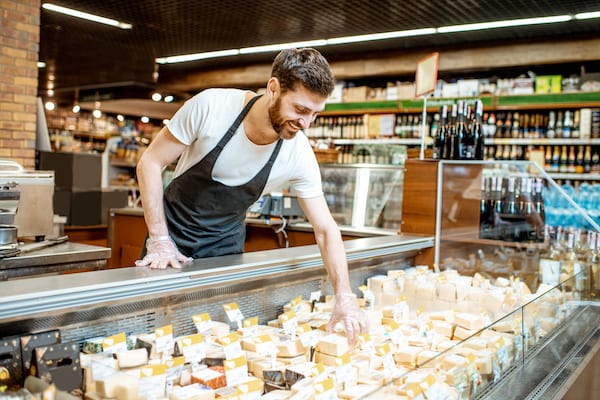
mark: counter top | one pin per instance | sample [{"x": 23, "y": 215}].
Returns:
[
  {"x": 53, "y": 259},
  {"x": 84, "y": 289}
]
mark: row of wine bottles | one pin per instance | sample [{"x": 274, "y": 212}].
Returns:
[
  {"x": 570, "y": 253},
  {"x": 459, "y": 135},
  {"x": 512, "y": 209}
]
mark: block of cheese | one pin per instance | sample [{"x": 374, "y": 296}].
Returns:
[
  {"x": 462, "y": 333},
  {"x": 333, "y": 344},
  {"x": 290, "y": 348},
  {"x": 425, "y": 356},
  {"x": 148, "y": 342},
  {"x": 381, "y": 283},
  {"x": 446, "y": 291},
  {"x": 359, "y": 391},
  {"x": 452, "y": 360},
  {"x": 293, "y": 360},
  {"x": 445, "y": 345},
  {"x": 417, "y": 340},
  {"x": 469, "y": 321},
  {"x": 107, "y": 387},
  {"x": 443, "y": 328},
  {"x": 210, "y": 377},
  {"x": 131, "y": 358},
  {"x": 128, "y": 389},
  {"x": 375, "y": 378},
  {"x": 264, "y": 369},
  {"x": 484, "y": 360},
  {"x": 219, "y": 329},
  {"x": 407, "y": 354},
  {"x": 325, "y": 359},
  {"x": 195, "y": 391},
  {"x": 475, "y": 343},
  {"x": 296, "y": 372}
]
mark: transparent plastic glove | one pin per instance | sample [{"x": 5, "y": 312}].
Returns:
[
  {"x": 160, "y": 253},
  {"x": 352, "y": 318}
]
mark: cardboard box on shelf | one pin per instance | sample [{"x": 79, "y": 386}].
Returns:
[
  {"x": 355, "y": 94},
  {"x": 548, "y": 84}
]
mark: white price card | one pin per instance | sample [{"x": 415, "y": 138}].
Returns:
[
  {"x": 164, "y": 339},
  {"x": 236, "y": 370},
  {"x": 250, "y": 327},
  {"x": 103, "y": 366},
  {"x": 325, "y": 390},
  {"x": 193, "y": 348},
  {"x": 306, "y": 335},
  {"x": 264, "y": 345},
  {"x": 231, "y": 346},
  {"x": 153, "y": 381},
  {"x": 114, "y": 344},
  {"x": 202, "y": 322},
  {"x": 174, "y": 367},
  {"x": 394, "y": 332},
  {"x": 315, "y": 296},
  {"x": 343, "y": 368},
  {"x": 233, "y": 312},
  {"x": 289, "y": 322}
]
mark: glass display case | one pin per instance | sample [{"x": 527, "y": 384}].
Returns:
[
  {"x": 521, "y": 256},
  {"x": 364, "y": 195}
]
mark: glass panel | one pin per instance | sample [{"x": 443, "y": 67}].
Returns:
[{"x": 364, "y": 195}]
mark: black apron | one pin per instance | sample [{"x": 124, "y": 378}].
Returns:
[{"x": 205, "y": 217}]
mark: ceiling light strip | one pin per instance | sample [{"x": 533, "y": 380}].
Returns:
[
  {"x": 504, "y": 24},
  {"x": 380, "y": 36},
  {"x": 87, "y": 16}
]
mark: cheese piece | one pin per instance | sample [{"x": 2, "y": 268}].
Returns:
[
  {"x": 453, "y": 360},
  {"x": 443, "y": 328},
  {"x": 461, "y": 333},
  {"x": 475, "y": 343},
  {"x": 262, "y": 368},
  {"x": 425, "y": 356},
  {"x": 407, "y": 354},
  {"x": 107, "y": 387},
  {"x": 219, "y": 329},
  {"x": 210, "y": 377},
  {"x": 128, "y": 389},
  {"x": 333, "y": 344},
  {"x": 484, "y": 361},
  {"x": 148, "y": 342},
  {"x": 290, "y": 348},
  {"x": 358, "y": 392},
  {"x": 380, "y": 283},
  {"x": 373, "y": 378},
  {"x": 469, "y": 321},
  {"x": 445, "y": 345},
  {"x": 296, "y": 372},
  {"x": 131, "y": 358},
  {"x": 195, "y": 391},
  {"x": 446, "y": 291}
]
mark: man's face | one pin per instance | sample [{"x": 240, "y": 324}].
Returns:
[{"x": 295, "y": 110}]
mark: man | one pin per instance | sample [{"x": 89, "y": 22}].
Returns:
[{"x": 233, "y": 146}]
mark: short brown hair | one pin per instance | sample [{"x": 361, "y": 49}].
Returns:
[{"x": 306, "y": 66}]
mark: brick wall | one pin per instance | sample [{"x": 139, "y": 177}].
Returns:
[{"x": 19, "y": 47}]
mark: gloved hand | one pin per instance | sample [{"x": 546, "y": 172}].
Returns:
[
  {"x": 160, "y": 253},
  {"x": 347, "y": 312}
]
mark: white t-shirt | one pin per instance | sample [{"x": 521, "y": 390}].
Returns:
[{"x": 205, "y": 118}]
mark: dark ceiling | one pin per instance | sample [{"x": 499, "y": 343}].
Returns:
[{"x": 92, "y": 57}]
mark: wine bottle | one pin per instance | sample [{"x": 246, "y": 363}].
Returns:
[
  {"x": 571, "y": 160},
  {"x": 559, "y": 125},
  {"x": 526, "y": 210},
  {"x": 510, "y": 211},
  {"x": 550, "y": 258},
  {"x": 514, "y": 130},
  {"x": 579, "y": 169},
  {"x": 451, "y": 134},
  {"x": 550, "y": 133},
  {"x": 548, "y": 159},
  {"x": 491, "y": 122},
  {"x": 539, "y": 216},
  {"x": 485, "y": 209},
  {"x": 575, "y": 132},
  {"x": 439, "y": 143},
  {"x": 587, "y": 160},
  {"x": 570, "y": 265},
  {"x": 459, "y": 139},
  {"x": 477, "y": 133},
  {"x": 564, "y": 160},
  {"x": 568, "y": 124},
  {"x": 556, "y": 159}
]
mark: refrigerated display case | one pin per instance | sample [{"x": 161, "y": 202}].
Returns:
[
  {"x": 545, "y": 335},
  {"x": 364, "y": 195}
]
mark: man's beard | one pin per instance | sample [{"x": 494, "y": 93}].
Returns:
[{"x": 278, "y": 122}]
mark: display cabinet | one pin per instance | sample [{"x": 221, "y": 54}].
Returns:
[
  {"x": 364, "y": 195},
  {"x": 496, "y": 222}
]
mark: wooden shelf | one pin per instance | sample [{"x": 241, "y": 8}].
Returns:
[
  {"x": 513, "y": 102},
  {"x": 543, "y": 141}
]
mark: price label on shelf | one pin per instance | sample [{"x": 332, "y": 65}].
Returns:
[
  {"x": 164, "y": 339},
  {"x": 202, "y": 322}
]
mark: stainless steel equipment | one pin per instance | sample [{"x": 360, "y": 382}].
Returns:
[{"x": 34, "y": 212}]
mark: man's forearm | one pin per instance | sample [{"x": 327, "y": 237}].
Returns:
[
  {"x": 151, "y": 193},
  {"x": 333, "y": 253}
]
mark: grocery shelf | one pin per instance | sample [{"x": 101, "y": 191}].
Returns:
[{"x": 543, "y": 141}]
